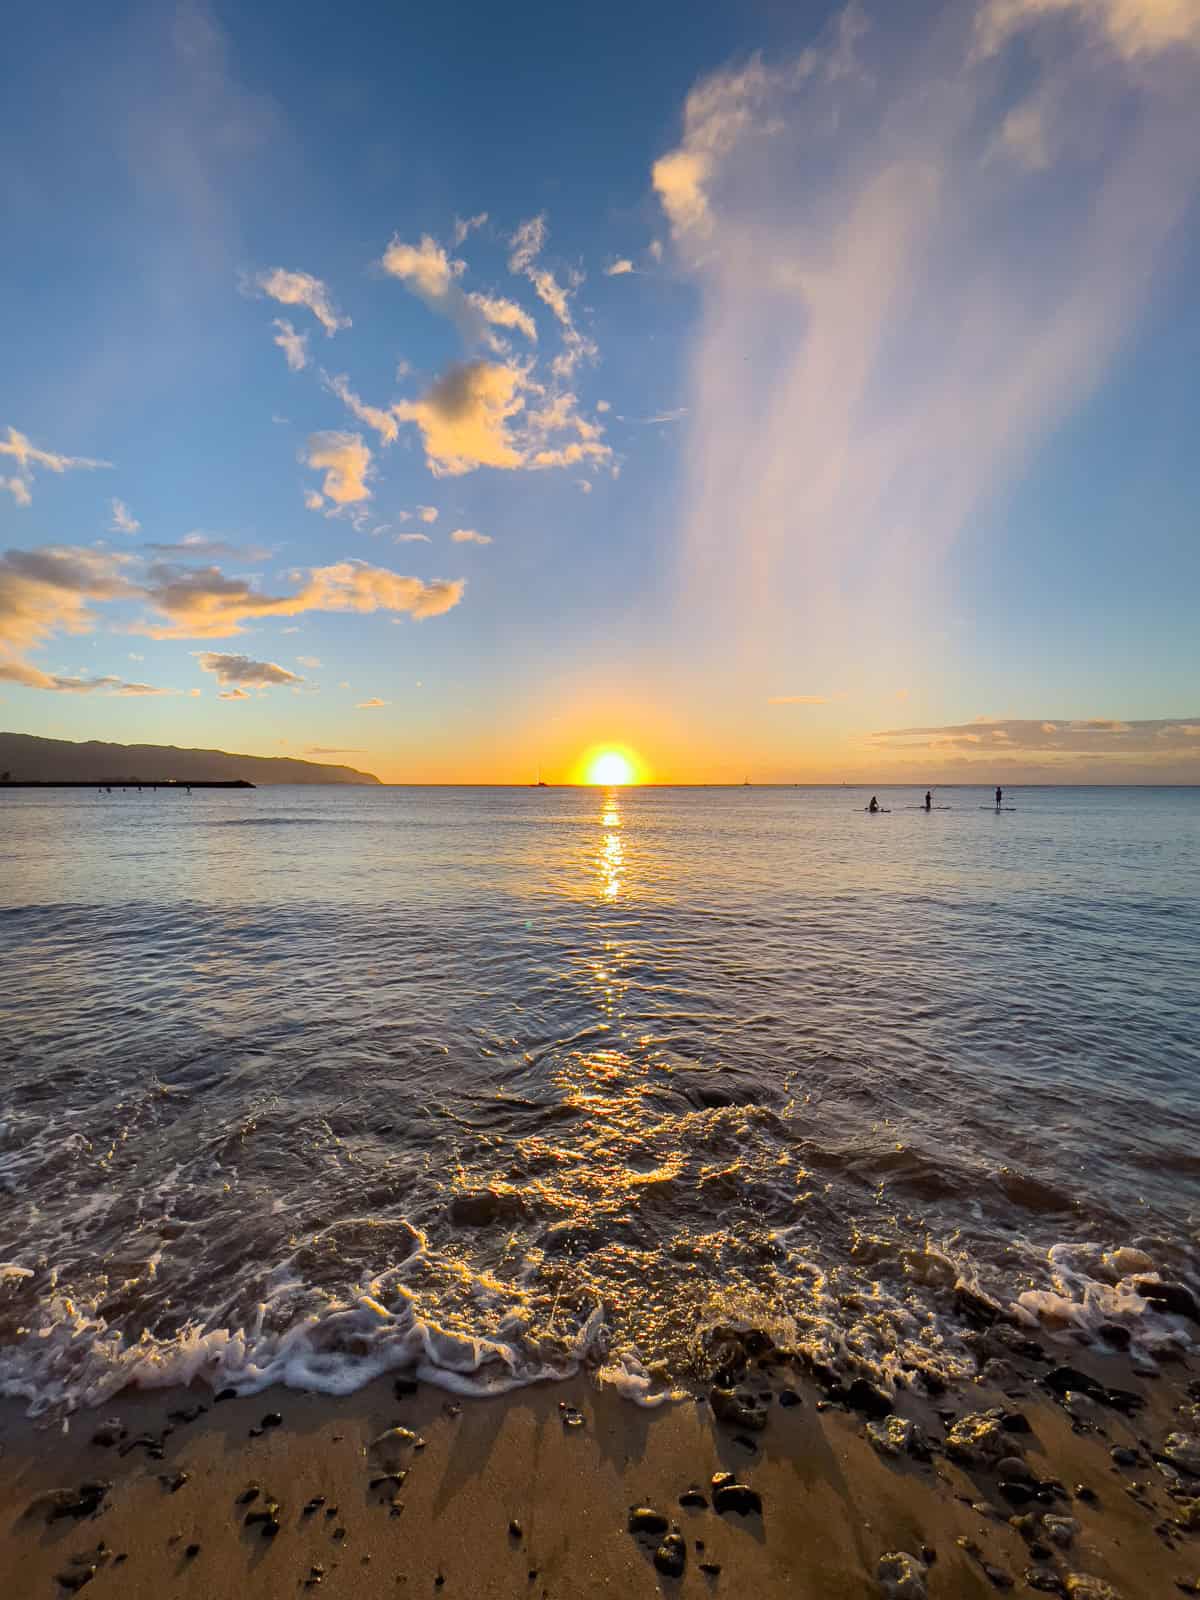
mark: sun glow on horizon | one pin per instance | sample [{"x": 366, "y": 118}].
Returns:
[{"x": 610, "y": 766}]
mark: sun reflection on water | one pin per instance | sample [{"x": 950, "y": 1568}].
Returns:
[{"x": 611, "y": 857}]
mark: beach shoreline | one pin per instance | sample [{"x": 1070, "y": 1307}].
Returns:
[{"x": 530, "y": 1493}]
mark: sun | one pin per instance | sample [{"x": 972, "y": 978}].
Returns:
[{"x": 609, "y": 766}]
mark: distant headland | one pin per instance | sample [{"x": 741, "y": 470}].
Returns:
[{"x": 26, "y": 760}]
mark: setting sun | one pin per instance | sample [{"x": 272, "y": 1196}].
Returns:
[{"x": 609, "y": 767}]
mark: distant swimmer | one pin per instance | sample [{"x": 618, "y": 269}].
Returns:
[
  {"x": 928, "y": 800},
  {"x": 874, "y": 806},
  {"x": 999, "y": 797}
]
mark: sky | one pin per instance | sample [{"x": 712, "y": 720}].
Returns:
[{"x": 796, "y": 392}]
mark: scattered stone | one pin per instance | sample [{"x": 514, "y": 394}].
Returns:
[
  {"x": 192, "y": 1551},
  {"x": 189, "y": 1414},
  {"x": 1043, "y": 1582},
  {"x": 1183, "y": 1450},
  {"x": 82, "y": 1502},
  {"x": 331, "y": 1511},
  {"x": 737, "y": 1497},
  {"x": 313, "y": 1505},
  {"x": 720, "y": 1479},
  {"x": 711, "y": 1569},
  {"x": 1188, "y": 1515},
  {"x": 693, "y": 1498},
  {"x": 1015, "y": 1422},
  {"x": 996, "y": 1576},
  {"x": 271, "y": 1420},
  {"x": 225, "y": 1394},
  {"x": 1170, "y": 1297},
  {"x": 339, "y": 1534},
  {"x": 1115, "y": 1335},
  {"x": 385, "y": 1478},
  {"x": 267, "y": 1513},
  {"x": 572, "y": 1417},
  {"x": 1061, "y": 1531},
  {"x": 893, "y": 1436},
  {"x": 515, "y": 1530},
  {"x": 1015, "y": 1492},
  {"x": 644, "y": 1520},
  {"x": 746, "y": 1442},
  {"x": 671, "y": 1556},
  {"x": 866, "y": 1398},
  {"x": 1013, "y": 1467},
  {"x": 788, "y": 1397},
  {"x": 1081, "y": 1586},
  {"x": 901, "y": 1576},
  {"x": 403, "y": 1387},
  {"x": 977, "y": 1439},
  {"x": 174, "y": 1481},
  {"x": 144, "y": 1441},
  {"x": 109, "y": 1433},
  {"x": 74, "y": 1581},
  {"x": 249, "y": 1494},
  {"x": 1124, "y": 1456},
  {"x": 729, "y": 1408}
]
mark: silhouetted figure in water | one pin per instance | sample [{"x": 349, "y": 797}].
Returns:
[
  {"x": 999, "y": 796},
  {"x": 928, "y": 800},
  {"x": 874, "y": 806}
]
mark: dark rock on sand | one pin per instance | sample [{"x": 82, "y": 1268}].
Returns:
[
  {"x": 671, "y": 1556},
  {"x": 1015, "y": 1422},
  {"x": 249, "y": 1494},
  {"x": 73, "y": 1581},
  {"x": 693, "y": 1498},
  {"x": 1016, "y": 1492},
  {"x": 996, "y": 1576},
  {"x": 483, "y": 1207},
  {"x": 192, "y": 1551},
  {"x": 1082, "y": 1492},
  {"x": 729, "y": 1408},
  {"x": 189, "y": 1414},
  {"x": 403, "y": 1387},
  {"x": 108, "y": 1434},
  {"x": 1124, "y": 1456},
  {"x": 720, "y": 1479},
  {"x": 515, "y": 1530},
  {"x": 1115, "y": 1335},
  {"x": 789, "y": 1397},
  {"x": 864, "y": 1397},
  {"x": 271, "y": 1420},
  {"x": 1043, "y": 1582},
  {"x": 82, "y": 1502},
  {"x": 737, "y": 1497},
  {"x": 1170, "y": 1297},
  {"x": 711, "y": 1569},
  {"x": 642, "y": 1519},
  {"x": 174, "y": 1481},
  {"x": 314, "y": 1505},
  {"x": 225, "y": 1394}
]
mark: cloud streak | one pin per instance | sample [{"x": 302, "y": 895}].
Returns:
[
  {"x": 242, "y": 672},
  {"x": 25, "y": 457},
  {"x": 302, "y": 289},
  {"x": 896, "y": 307}
]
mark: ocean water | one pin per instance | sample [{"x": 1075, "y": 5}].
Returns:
[{"x": 306, "y": 1084}]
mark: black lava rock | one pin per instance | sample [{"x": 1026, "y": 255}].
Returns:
[
  {"x": 865, "y": 1398},
  {"x": 173, "y": 1481},
  {"x": 1088, "y": 1496},
  {"x": 1170, "y": 1297},
  {"x": 731, "y": 1409},
  {"x": 108, "y": 1434},
  {"x": 671, "y": 1556},
  {"x": 1061, "y": 1379},
  {"x": 188, "y": 1415},
  {"x": 693, "y": 1498},
  {"x": 74, "y": 1581},
  {"x": 720, "y": 1479},
  {"x": 225, "y": 1394},
  {"x": 643, "y": 1520},
  {"x": 271, "y": 1420},
  {"x": 403, "y": 1387},
  {"x": 1017, "y": 1494},
  {"x": 516, "y": 1531},
  {"x": 1123, "y": 1456},
  {"x": 711, "y": 1569},
  {"x": 737, "y": 1497},
  {"x": 249, "y": 1494},
  {"x": 1015, "y": 1422},
  {"x": 192, "y": 1551},
  {"x": 789, "y": 1397},
  {"x": 82, "y": 1502},
  {"x": 313, "y": 1505}
]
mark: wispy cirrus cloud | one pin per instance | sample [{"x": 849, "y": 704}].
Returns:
[
  {"x": 123, "y": 520},
  {"x": 294, "y": 345},
  {"x": 892, "y": 313},
  {"x": 302, "y": 289},
  {"x": 27, "y": 459},
  {"x": 433, "y": 274},
  {"x": 527, "y": 244}
]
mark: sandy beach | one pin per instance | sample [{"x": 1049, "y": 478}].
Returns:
[{"x": 169, "y": 1494}]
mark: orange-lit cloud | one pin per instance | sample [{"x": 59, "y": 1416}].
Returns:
[
  {"x": 370, "y": 705},
  {"x": 346, "y": 463},
  {"x": 465, "y": 418},
  {"x": 241, "y": 670},
  {"x": 469, "y": 536},
  {"x": 302, "y": 289},
  {"x": 294, "y": 345}
]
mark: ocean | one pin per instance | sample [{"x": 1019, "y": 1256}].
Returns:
[{"x": 306, "y": 1084}]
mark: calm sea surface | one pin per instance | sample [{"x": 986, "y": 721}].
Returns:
[{"x": 307, "y": 1083}]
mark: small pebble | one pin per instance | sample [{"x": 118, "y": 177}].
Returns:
[
  {"x": 251, "y": 1492},
  {"x": 315, "y": 1504},
  {"x": 271, "y": 1420},
  {"x": 192, "y": 1551},
  {"x": 515, "y": 1529},
  {"x": 711, "y": 1569},
  {"x": 693, "y": 1497}
]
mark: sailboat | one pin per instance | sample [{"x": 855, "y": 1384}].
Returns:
[{"x": 539, "y": 782}]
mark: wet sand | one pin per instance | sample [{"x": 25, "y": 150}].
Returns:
[{"x": 510, "y": 1496}]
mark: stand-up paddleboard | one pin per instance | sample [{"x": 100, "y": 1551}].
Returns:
[
  {"x": 884, "y": 811},
  {"x": 997, "y": 808}
]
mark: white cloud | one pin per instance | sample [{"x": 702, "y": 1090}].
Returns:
[
  {"x": 302, "y": 289},
  {"x": 584, "y": 485},
  {"x": 618, "y": 269},
  {"x": 527, "y": 244},
  {"x": 346, "y": 463},
  {"x": 464, "y": 418},
  {"x": 313, "y": 501},
  {"x": 411, "y": 538},
  {"x": 1130, "y": 27},
  {"x": 231, "y": 670},
  {"x": 432, "y": 274},
  {"x": 294, "y": 345},
  {"x": 311, "y": 662},
  {"x": 122, "y": 520},
  {"x": 603, "y": 405},
  {"x": 464, "y": 226},
  {"x": 27, "y": 456},
  {"x": 427, "y": 513},
  {"x": 469, "y": 536}
]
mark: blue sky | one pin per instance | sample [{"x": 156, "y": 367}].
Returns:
[{"x": 886, "y": 422}]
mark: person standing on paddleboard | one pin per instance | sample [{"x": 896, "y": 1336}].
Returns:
[
  {"x": 874, "y": 806},
  {"x": 999, "y": 796},
  {"x": 928, "y": 800}
]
